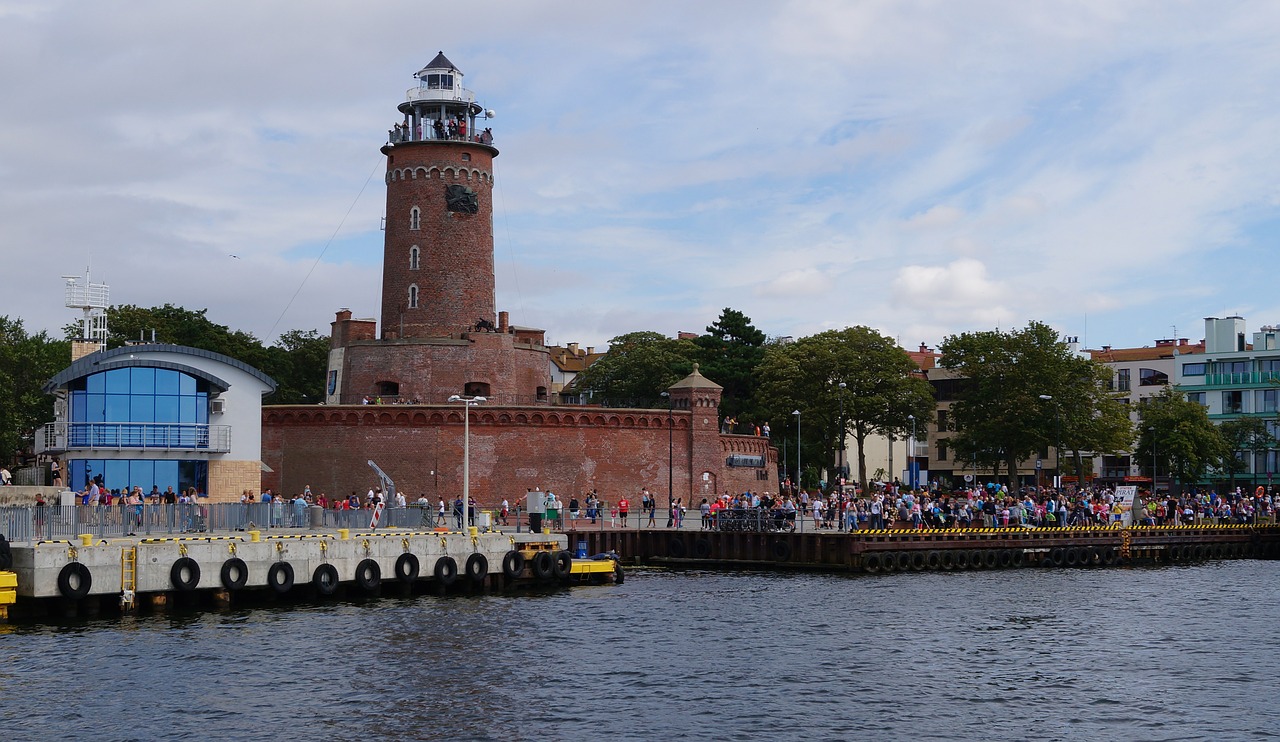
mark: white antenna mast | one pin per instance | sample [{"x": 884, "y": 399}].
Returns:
[{"x": 92, "y": 299}]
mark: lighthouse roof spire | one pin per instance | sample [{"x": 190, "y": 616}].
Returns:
[{"x": 441, "y": 62}]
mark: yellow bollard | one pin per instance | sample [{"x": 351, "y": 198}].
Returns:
[
  {"x": 473, "y": 531},
  {"x": 344, "y": 534},
  {"x": 86, "y": 539},
  {"x": 546, "y": 530},
  {"x": 255, "y": 536}
]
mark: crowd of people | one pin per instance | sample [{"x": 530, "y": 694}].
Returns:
[
  {"x": 890, "y": 505},
  {"x": 451, "y": 128},
  {"x": 993, "y": 506}
]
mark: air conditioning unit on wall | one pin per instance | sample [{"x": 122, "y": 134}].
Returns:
[{"x": 217, "y": 406}]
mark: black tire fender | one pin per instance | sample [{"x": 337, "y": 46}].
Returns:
[
  {"x": 676, "y": 548},
  {"x": 234, "y": 574},
  {"x": 368, "y": 575},
  {"x": 918, "y": 560},
  {"x": 446, "y": 570},
  {"x": 563, "y": 565},
  {"x": 702, "y": 548},
  {"x": 543, "y": 565},
  {"x": 513, "y": 564},
  {"x": 1057, "y": 556},
  {"x": 74, "y": 581},
  {"x": 280, "y": 577},
  {"x": 185, "y": 574},
  {"x": 781, "y": 550},
  {"x": 478, "y": 567},
  {"x": 325, "y": 579},
  {"x": 871, "y": 563},
  {"x": 407, "y": 567},
  {"x": 962, "y": 560}
]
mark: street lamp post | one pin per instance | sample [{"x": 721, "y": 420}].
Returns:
[
  {"x": 911, "y": 455},
  {"x": 1057, "y": 444},
  {"x": 1152, "y": 433},
  {"x": 671, "y": 438},
  {"x": 798, "y": 471},
  {"x": 841, "y": 477},
  {"x": 467, "y": 404}
]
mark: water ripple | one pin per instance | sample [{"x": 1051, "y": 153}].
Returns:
[{"x": 1156, "y": 654}]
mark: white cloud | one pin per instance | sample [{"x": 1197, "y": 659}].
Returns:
[{"x": 923, "y": 169}]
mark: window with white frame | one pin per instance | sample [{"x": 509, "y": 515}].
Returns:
[
  {"x": 413, "y": 296},
  {"x": 413, "y": 258},
  {"x": 415, "y": 217}
]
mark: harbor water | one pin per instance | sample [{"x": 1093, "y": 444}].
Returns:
[{"x": 1046, "y": 654}]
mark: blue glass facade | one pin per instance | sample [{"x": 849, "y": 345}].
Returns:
[
  {"x": 145, "y": 473},
  {"x": 139, "y": 408}
]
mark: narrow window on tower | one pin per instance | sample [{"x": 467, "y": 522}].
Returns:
[
  {"x": 413, "y": 258},
  {"x": 414, "y": 215},
  {"x": 413, "y": 296}
]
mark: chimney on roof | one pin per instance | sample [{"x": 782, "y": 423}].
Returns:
[
  {"x": 1182, "y": 341},
  {"x": 924, "y": 348},
  {"x": 573, "y": 348},
  {"x": 344, "y": 314},
  {"x": 591, "y": 350},
  {"x": 1106, "y": 348},
  {"x": 504, "y": 322}
]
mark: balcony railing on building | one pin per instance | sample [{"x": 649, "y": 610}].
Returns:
[
  {"x": 1241, "y": 379},
  {"x": 56, "y": 437}
]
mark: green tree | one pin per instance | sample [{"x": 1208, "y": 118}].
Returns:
[
  {"x": 1243, "y": 436},
  {"x": 637, "y": 368},
  {"x": 297, "y": 363},
  {"x": 1023, "y": 391},
  {"x": 882, "y": 389},
  {"x": 730, "y": 354},
  {"x": 26, "y": 363},
  {"x": 1184, "y": 440}
]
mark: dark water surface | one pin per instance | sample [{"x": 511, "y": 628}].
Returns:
[{"x": 1153, "y": 654}]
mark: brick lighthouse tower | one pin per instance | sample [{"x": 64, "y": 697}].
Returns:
[
  {"x": 437, "y": 273},
  {"x": 439, "y": 335}
]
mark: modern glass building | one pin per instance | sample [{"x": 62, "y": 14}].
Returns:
[{"x": 158, "y": 416}]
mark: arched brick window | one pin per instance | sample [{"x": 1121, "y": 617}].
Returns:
[
  {"x": 415, "y": 217},
  {"x": 413, "y": 296},
  {"x": 413, "y": 258}
]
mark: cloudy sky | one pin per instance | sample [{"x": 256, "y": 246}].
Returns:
[{"x": 923, "y": 168}]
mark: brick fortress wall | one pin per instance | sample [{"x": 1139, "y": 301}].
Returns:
[
  {"x": 430, "y": 370},
  {"x": 569, "y": 450}
]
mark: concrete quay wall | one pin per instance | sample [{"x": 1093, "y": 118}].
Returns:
[
  {"x": 39, "y": 565},
  {"x": 895, "y": 550}
]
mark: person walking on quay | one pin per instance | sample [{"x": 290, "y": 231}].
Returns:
[
  {"x": 623, "y": 508},
  {"x": 649, "y": 505}
]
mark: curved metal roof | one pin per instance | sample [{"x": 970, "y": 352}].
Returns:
[{"x": 107, "y": 360}]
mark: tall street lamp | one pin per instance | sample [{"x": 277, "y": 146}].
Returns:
[
  {"x": 1152, "y": 433},
  {"x": 911, "y": 455},
  {"x": 798, "y": 472},
  {"x": 671, "y": 433},
  {"x": 840, "y": 479},
  {"x": 467, "y": 403},
  {"x": 1057, "y": 444}
]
